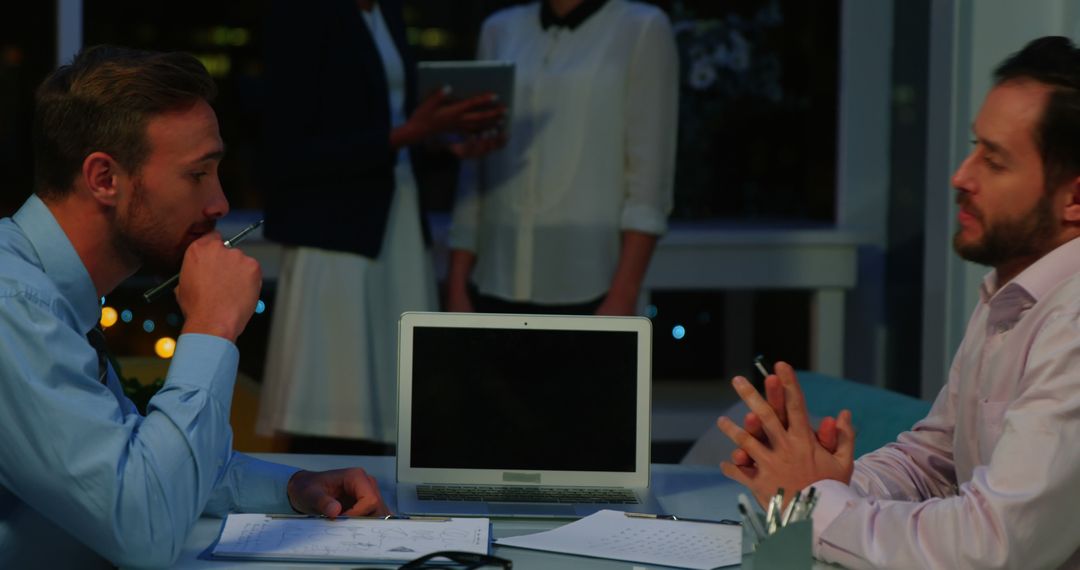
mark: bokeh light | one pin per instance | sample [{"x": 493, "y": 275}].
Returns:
[
  {"x": 108, "y": 317},
  {"x": 165, "y": 347}
]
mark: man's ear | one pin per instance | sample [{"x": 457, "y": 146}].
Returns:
[
  {"x": 102, "y": 174},
  {"x": 1072, "y": 204}
]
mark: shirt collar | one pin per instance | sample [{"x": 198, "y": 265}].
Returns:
[
  {"x": 573, "y": 19},
  {"x": 1008, "y": 303},
  {"x": 59, "y": 260}
]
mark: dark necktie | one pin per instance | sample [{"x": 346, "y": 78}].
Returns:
[{"x": 97, "y": 340}]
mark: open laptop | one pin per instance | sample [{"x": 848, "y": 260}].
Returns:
[{"x": 523, "y": 415}]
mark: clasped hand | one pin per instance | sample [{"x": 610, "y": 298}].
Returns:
[{"x": 779, "y": 448}]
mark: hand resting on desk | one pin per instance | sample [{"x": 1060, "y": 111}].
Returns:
[{"x": 339, "y": 492}]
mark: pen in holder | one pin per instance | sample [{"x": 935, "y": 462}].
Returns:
[{"x": 769, "y": 542}]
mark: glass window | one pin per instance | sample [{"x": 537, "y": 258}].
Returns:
[
  {"x": 27, "y": 54},
  {"x": 225, "y": 36}
]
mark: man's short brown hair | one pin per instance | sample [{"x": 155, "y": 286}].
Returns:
[{"x": 102, "y": 101}]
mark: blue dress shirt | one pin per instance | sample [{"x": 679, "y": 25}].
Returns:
[{"x": 85, "y": 480}]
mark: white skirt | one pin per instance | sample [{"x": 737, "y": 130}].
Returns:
[{"x": 331, "y": 364}]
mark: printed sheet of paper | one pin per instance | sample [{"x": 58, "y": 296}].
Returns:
[
  {"x": 611, "y": 534},
  {"x": 256, "y": 536}
]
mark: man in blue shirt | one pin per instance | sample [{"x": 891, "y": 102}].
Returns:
[{"x": 126, "y": 174}]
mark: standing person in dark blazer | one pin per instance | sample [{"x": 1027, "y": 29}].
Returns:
[{"x": 342, "y": 197}]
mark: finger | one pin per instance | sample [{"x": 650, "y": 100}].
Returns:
[
  {"x": 827, "y": 434},
  {"x": 752, "y": 425},
  {"x": 733, "y": 472},
  {"x": 795, "y": 403},
  {"x": 773, "y": 428},
  {"x": 435, "y": 98},
  {"x": 484, "y": 100},
  {"x": 744, "y": 440},
  {"x": 364, "y": 490},
  {"x": 741, "y": 458},
  {"x": 327, "y": 505},
  {"x": 774, "y": 393},
  {"x": 485, "y": 115},
  {"x": 382, "y": 509},
  {"x": 845, "y": 448}
]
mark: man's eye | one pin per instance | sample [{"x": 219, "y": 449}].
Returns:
[
  {"x": 198, "y": 175},
  {"x": 993, "y": 165}
]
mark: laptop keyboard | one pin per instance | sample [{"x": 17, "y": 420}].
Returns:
[{"x": 525, "y": 494}]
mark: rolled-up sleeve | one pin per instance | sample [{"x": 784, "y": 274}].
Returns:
[{"x": 652, "y": 105}]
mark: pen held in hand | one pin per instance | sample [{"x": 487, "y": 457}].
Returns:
[{"x": 152, "y": 294}]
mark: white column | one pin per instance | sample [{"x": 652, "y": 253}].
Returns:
[{"x": 862, "y": 179}]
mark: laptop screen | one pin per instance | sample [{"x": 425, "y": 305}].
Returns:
[{"x": 524, "y": 399}]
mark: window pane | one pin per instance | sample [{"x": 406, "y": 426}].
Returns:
[
  {"x": 225, "y": 36},
  {"x": 27, "y": 54}
]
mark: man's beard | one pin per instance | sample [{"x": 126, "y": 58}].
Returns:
[
  {"x": 142, "y": 238},
  {"x": 1026, "y": 236}
]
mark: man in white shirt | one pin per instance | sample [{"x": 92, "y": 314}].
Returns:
[{"x": 989, "y": 477}]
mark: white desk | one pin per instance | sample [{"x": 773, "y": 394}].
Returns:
[{"x": 685, "y": 490}]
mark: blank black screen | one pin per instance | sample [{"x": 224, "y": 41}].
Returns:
[{"x": 524, "y": 399}]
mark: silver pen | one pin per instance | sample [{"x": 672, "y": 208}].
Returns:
[{"x": 152, "y": 294}]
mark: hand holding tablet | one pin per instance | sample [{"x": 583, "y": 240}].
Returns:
[{"x": 469, "y": 99}]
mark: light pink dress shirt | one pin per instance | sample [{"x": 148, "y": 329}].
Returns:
[{"x": 991, "y": 477}]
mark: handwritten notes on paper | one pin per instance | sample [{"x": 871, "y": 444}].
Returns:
[
  {"x": 611, "y": 534},
  {"x": 256, "y": 536}
]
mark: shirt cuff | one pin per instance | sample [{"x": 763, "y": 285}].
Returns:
[
  {"x": 643, "y": 219},
  {"x": 201, "y": 361},
  {"x": 832, "y": 498},
  {"x": 263, "y": 486},
  {"x": 461, "y": 238}
]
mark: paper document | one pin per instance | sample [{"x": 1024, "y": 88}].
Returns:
[
  {"x": 263, "y": 537},
  {"x": 611, "y": 534}
]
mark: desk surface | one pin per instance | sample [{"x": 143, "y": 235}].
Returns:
[{"x": 691, "y": 491}]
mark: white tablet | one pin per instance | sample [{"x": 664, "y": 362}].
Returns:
[{"x": 467, "y": 79}]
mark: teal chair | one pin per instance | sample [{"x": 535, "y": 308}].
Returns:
[{"x": 878, "y": 415}]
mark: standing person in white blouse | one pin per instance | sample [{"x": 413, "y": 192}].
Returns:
[{"x": 565, "y": 217}]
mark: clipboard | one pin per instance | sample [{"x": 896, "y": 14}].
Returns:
[{"x": 346, "y": 540}]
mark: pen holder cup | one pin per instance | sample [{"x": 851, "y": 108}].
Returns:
[{"x": 786, "y": 549}]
